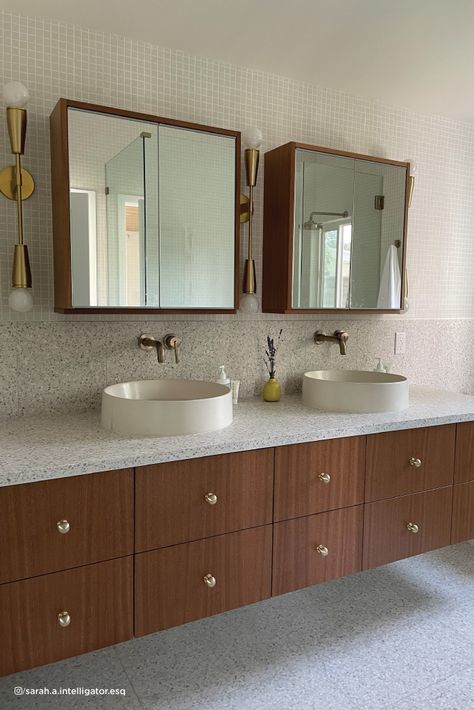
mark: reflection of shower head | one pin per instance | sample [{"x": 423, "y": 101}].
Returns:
[{"x": 311, "y": 224}]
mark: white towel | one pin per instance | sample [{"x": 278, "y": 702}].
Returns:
[{"x": 391, "y": 281}]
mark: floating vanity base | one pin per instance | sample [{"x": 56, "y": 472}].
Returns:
[{"x": 92, "y": 560}]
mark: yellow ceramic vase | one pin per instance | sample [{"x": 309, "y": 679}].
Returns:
[{"x": 272, "y": 390}]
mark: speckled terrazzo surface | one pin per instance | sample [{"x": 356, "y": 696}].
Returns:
[{"x": 39, "y": 448}]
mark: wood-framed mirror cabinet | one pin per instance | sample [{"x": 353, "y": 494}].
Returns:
[
  {"x": 146, "y": 212},
  {"x": 335, "y": 231}
]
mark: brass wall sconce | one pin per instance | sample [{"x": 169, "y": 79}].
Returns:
[
  {"x": 411, "y": 181},
  {"x": 17, "y": 184},
  {"x": 252, "y": 139}
]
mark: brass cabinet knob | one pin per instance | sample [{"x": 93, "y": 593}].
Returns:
[
  {"x": 322, "y": 550},
  {"x": 324, "y": 477},
  {"x": 63, "y": 526},
  {"x": 413, "y": 527},
  {"x": 210, "y": 498},
  {"x": 64, "y": 618},
  {"x": 415, "y": 462},
  {"x": 209, "y": 580}
]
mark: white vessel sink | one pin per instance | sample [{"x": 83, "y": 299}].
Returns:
[
  {"x": 166, "y": 407},
  {"x": 355, "y": 391}
]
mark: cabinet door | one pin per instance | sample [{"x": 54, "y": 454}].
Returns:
[
  {"x": 463, "y": 513},
  {"x": 410, "y": 461},
  {"x": 188, "y": 500},
  {"x": 178, "y": 584},
  {"x": 464, "y": 453},
  {"x": 97, "y": 598},
  {"x": 312, "y": 478},
  {"x": 63, "y": 523},
  {"x": 406, "y": 526},
  {"x": 317, "y": 548}
]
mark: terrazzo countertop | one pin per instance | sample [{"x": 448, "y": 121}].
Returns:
[{"x": 38, "y": 448}]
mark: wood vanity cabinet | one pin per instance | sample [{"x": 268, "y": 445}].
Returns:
[
  {"x": 91, "y": 560},
  {"x": 463, "y": 495},
  {"x": 409, "y": 461},
  {"x": 182, "y": 583},
  {"x": 324, "y": 475},
  {"x": 317, "y": 548},
  {"x": 64, "y": 523},
  {"x": 95, "y": 599},
  {"x": 188, "y": 500}
]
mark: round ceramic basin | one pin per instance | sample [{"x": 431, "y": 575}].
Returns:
[
  {"x": 355, "y": 391},
  {"x": 166, "y": 407}
]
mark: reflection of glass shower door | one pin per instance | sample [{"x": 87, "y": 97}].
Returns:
[{"x": 126, "y": 225}]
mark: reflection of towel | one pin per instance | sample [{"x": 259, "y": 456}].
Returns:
[{"x": 390, "y": 283}]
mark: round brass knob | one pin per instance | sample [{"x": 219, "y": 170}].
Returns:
[
  {"x": 64, "y": 618},
  {"x": 209, "y": 580},
  {"x": 63, "y": 526},
  {"x": 413, "y": 527},
  {"x": 324, "y": 477},
  {"x": 210, "y": 498},
  {"x": 322, "y": 550},
  {"x": 415, "y": 462}
]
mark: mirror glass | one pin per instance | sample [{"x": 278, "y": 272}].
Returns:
[
  {"x": 152, "y": 214},
  {"x": 348, "y": 232}
]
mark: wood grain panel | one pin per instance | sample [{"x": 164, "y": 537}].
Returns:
[
  {"x": 170, "y": 498},
  {"x": 389, "y": 472},
  {"x": 169, "y": 586},
  {"x": 386, "y": 537},
  {"x": 98, "y": 598},
  {"x": 299, "y": 490},
  {"x": 463, "y": 513},
  {"x": 296, "y": 561},
  {"x": 98, "y": 507},
  {"x": 278, "y": 229},
  {"x": 464, "y": 469}
]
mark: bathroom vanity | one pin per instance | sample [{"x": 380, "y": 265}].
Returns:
[{"x": 186, "y": 527}]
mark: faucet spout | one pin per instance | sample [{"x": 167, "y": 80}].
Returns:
[
  {"x": 339, "y": 336},
  {"x": 148, "y": 342}
]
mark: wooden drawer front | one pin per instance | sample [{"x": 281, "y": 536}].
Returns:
[
  {"x": 312, "y": 478},
  {"x": 97, "y": 597},
  {"x": 463, "y": 513},
  {"x": 386, "y": 534},
  {"x": 392, "y": 459},
  {"x": 170, "y": 587},
  {"x": 171, "y": 505},
  {"x": 464, "y": 470},
  {"x": 98, "y": 508},
  {"x": 296, "y": 560}
]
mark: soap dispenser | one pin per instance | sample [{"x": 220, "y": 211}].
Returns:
[{"x": 222, "y": 378}]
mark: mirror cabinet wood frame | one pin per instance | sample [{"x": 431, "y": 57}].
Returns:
[
  {"x": 60, "y": 186},
  {"x": 278, "y": 228}
]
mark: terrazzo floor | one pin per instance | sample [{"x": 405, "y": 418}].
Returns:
[{"x": 400, "y": 637}]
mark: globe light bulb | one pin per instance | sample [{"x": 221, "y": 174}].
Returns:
[
  {"x": 20, "y": 300},
  {"x": 252, "y": 138},
  {"x": 15, "y": 95},
  {"x": 249, "y": 303},
  {"x": 412, "y": 166}
]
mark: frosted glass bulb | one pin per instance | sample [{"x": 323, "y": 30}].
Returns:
[
  {"x": 21, "y": 300},
  {"x": 412, "y": 166},
  {"x": 249, "y": 303},
  {"x": 15, "y": 95},
  {"x": 252, "y": 138}
]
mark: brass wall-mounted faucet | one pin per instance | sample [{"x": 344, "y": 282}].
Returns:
[
  {"x": 170, "y": 342},
  {"x": 339, "y": 336}
]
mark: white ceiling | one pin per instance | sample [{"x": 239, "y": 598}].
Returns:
[{"x": 413, "y": 53}]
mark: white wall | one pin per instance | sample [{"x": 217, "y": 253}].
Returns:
[{"x": 64, "y": 366}]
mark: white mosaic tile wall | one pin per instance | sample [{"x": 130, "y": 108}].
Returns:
[{"x": 51, "y": 364}]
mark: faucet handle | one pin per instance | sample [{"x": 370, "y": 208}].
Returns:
[{"x": 172, "y": 342}]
